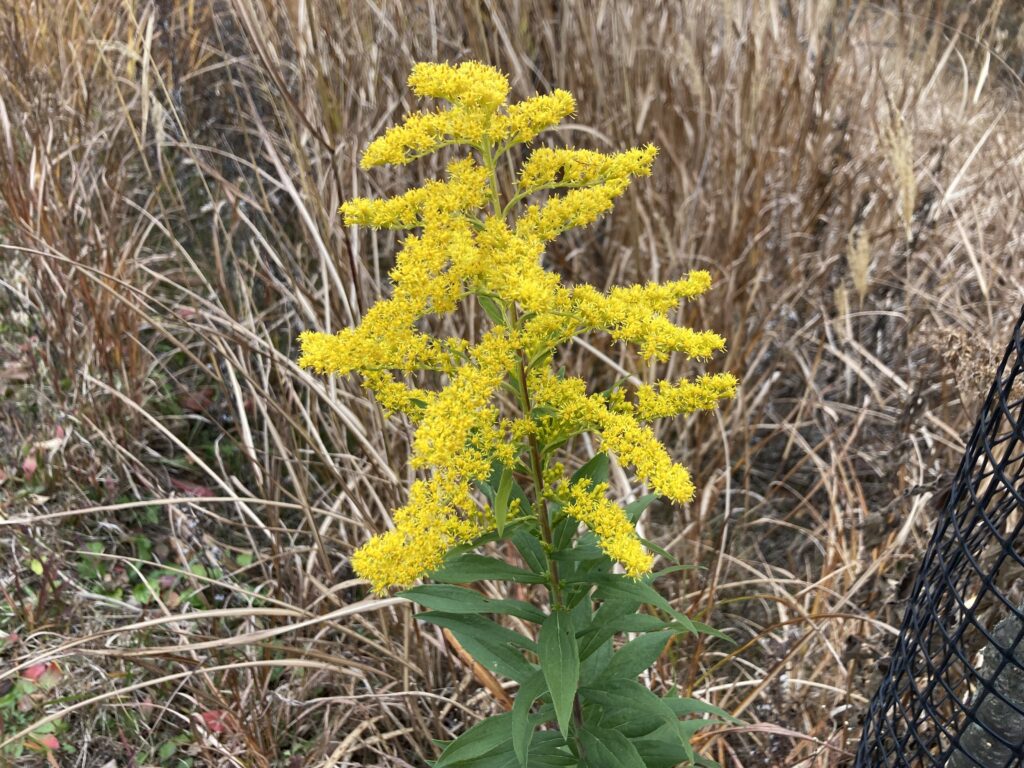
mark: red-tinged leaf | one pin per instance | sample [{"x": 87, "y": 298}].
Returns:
[
  {"x": 35, "y": 671},
  {"x": 192, "y": 489},
  {"x": 43, "y": 741},
  {"x": 215, "y": 720},
  {"x": 29, "y": 466}
]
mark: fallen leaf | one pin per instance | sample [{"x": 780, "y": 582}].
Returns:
[
  {"x": 44, "y": 741},
  {"x": 29, "y": 466},
  {"x": 35, "y": 671},
  {"x": 192, "y": 489},
  {"x": 215, "y": 720}
]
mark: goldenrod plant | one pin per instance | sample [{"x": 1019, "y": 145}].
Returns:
[{"x": 496, "y": 420}]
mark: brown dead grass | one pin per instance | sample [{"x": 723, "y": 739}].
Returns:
[{"x": 169, "y": 181}]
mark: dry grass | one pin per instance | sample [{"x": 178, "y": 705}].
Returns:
[{"x": 169, "y": 181}]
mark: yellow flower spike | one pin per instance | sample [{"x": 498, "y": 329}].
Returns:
[
  {"x": 615, "y": 533},
  {"x": 635, "y": 445},
  {"x": 466, "y": 190},
  {"x": 469, "y": 84},
  {"x": 463, "y": 241},
  {"x": 554, "y": 168},
  {"x": 526, "y": 119},
  {"x": 684, "y": 397},
  {"x": 425, "y": 529},
  {"x": 576, "y": 208},
  {"x": 423, "y": 133}
]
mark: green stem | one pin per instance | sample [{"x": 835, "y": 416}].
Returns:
[
  {"x": 491, "y": 163},
  {"x": 536, "y": 461},
  {"x": 537, "y": 476}
]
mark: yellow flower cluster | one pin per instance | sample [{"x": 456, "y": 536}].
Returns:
[
  {"x": 618, "y": 429},
  {"x": 615, "y": 532},
  {"x": 467, "y": 240},
  {"x": 685, "y": 397},
  {"x": 465, "y": 190},
  {"x": 425, "y": 529},
  {"x": 547, "y": 168},
  {"x": 470, "y": 84},
  {"x": 524, "y": 121},
  {"x": 461, "y": 433}
]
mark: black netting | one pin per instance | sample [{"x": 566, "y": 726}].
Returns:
[{"x": 954, "y": 694}]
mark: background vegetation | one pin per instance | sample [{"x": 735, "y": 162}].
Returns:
[{"x": 178, "y": 501}]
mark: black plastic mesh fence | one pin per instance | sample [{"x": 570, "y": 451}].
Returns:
[{"x": 954, "y": 693}]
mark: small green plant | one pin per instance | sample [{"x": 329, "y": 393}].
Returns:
[
  {"x": 21, "y": 699},
  {"x": 498, "y": 422}
]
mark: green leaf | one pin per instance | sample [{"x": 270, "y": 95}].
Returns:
[
  {"x": 609, "y": 749},
  {"x": 142, "y": 593},
  {"x": 636, "y": 656},
  {"x": 531, "y": 550},
  {"x": 617, "y": 586},
  {"x": 482, "y": 738},
  {"x": 629, "y": 707},
  {"x": 563, "y": 533},
  {"x": 671, "y": 569},
  {"x": 494, "y": 646},
  {"x": 636, "y": 508},
  {"x": 595, "y": 470},
  {"x": 597, "y": 659},
  {"x": 167, "y": 749},
  {"x": 581, "y": 553},
  {"x": 468, "y": 567},
  {"x": 501, "y": 500},
  {"x": 548, "y": 750},
  {"x": 582, "y": 613},
  {"x": 560, "y": 661},
  {"x": 684, "y": 706},
  {"x": 36, "y": 567},
  {"x": 650, "y": 545},
  {"x": 522, "y": 728},
  {"x": 491, "y": 308},
  {"x": 657, "y": 753},
  {"x": 451, "y": 599},
  {"x": 613, "y": 625}
]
